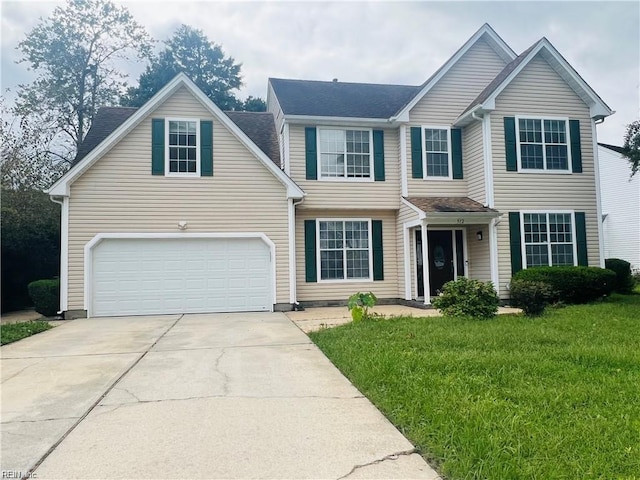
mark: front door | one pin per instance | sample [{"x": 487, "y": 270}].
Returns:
[{"x": 441, "y": 261}]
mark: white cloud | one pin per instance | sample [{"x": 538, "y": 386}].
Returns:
[{"x": 382, "y": 42}]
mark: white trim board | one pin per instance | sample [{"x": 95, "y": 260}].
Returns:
[{"x": 62, "y": 186}]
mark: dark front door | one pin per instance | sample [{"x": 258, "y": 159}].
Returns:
[
  {"x": 441, "y": 261},
  {"x": 419, "y": 266}
]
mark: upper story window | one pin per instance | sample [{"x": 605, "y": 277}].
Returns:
[
  {"x": 183, "y": 147},
  {"x": 548, "y": 239},
  {"x": 437, "y": 152},
  {"x": 543, "y": 144},
  {"x": 345, "y": 154}
]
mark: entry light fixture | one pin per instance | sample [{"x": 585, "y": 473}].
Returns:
[{"x": 479, "y": 235}]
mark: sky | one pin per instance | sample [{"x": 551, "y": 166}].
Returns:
[{"x": 377, "y": 41}]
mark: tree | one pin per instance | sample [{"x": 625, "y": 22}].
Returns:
[
  {"x": 190, "y": 51},
  {"x": 631, "y": 147},
  {"x": 26, "y": 158},
  {"x": 75, "y": 53},
  {"x": 254, "y": 104}
]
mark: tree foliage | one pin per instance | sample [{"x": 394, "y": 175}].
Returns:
[
  {"x": 26, "y": 159},
  {"x": 30, "y": 243},
  {"x": 75, "y": 53},
  {"x": 631, "y": 146},
  {"x": 190, "y": 51}
]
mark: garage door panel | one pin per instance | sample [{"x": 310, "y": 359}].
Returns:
[{"x": 147, "y": 276}]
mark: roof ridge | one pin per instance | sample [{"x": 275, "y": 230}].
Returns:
[{"x": 344, "y": 83}]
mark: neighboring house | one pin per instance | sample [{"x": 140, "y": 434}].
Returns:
[
  {"x": 486, "y": 168},
  {"x": 620, "y": 206}
]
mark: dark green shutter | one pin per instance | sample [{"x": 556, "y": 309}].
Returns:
[
  {"x": 157, "y": 146},
  {"x": 416, "y": 152},
  {"x": 311, "y": 152},
  {"x": 515, "y": 242},
  {"x": 310, "y": 268},
  {"x": 378, "y": 155},
  {"x": 206, "y": 148},
  {"x": 456, "y": 152},
  {"x": 376, "y": 241},
  {"x": 576, "y": 150},
  {"x": 510, "y": 148},
  {"x": 581, "y": 239}
]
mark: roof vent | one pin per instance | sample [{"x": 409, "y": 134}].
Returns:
[{"x": 335, "y": 80}]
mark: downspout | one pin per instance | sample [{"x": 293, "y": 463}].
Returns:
[
  {"x": 293, "y": 294},
  {"x": 596, "y": 167},
  {"x": 64, "y": 250}
]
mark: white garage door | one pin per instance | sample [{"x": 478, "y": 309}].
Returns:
[{"x": 180, "y": 275}]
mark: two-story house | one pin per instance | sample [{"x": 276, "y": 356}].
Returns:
[{"x": 486, "y": 168}]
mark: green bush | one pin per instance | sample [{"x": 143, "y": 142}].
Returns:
[
  {"x": 45, "y": 295},
  {"x": 624, "y": 280},
  {"x": 467, "y": 298},
  {"x": 571, "y": 284},
  {"x": 532, "y": 297}
]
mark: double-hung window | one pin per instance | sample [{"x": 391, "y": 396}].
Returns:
[
  {"x": 549, "y": 239},
  {"x": 543, "y": 144},
  {"x": 437, "y": 152},
  {"x": 345, "y": 154},
  {"x": 182, "y": 147},
  {"x": 345, "y": 249}
]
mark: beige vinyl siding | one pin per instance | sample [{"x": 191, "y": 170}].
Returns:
[
  {"x": 405, "y": 214},
  {"x": 473, "y": 162},
  {"x": 345, "y": 194},
  {"x": 273, "y": 107},
  {"x": 442, "y": 105},
  {"x": 119, "y": 194},
  {"x": 340, "y": 291},
  {"x": 478, "y": 254},
  {"x": 538, "y": 90}
]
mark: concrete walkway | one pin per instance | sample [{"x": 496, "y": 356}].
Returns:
[
  {"x": 193, "y": 396},
  {"x": 313, "y": 319}
]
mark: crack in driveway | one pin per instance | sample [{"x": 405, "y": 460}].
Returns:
[{"x": 392, "y": 456}]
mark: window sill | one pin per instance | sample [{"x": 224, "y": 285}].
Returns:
[
  {"x": 345, "y": 180},
  {"x": 348, "y": 280},
  {"x": 546, "y": 172},
  {"x": 182, "y": 175}
]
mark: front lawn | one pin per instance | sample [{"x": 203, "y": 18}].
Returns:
[
  {"x": 12, "y": 332},
  {"x": 552, "y": 397}
]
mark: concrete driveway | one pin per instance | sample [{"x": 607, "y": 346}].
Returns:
[{"x": 191, "y": 396}]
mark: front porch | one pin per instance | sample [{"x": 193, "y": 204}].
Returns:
[{"x": 447, "y": 238}]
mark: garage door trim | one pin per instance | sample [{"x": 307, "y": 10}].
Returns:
[{"x": 88, "y": 254}]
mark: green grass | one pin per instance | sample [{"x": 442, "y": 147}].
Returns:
[
  {"x": 12, "y": 332},
  {"x": 556, "y": 396}
]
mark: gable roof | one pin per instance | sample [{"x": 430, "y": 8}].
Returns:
[
  {"x": 61, "y": 187},
  {"x": 258, "y": 126},
  {"x": 614, "y": 148},
  {"x": 485, "y": 32},
  {"x": 486, "y": 99},
  {"x": 340, "y": 99}
]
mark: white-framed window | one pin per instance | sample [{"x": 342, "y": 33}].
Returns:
[
  {"x": 345, "y": 154},
  {"x": 543, "y": 144},
  {"x": 344, "y": 247},
  {"x": 548, "y": 238},
  {"x": 437, "y": 152},
  {"x": 182, "y": 151}
]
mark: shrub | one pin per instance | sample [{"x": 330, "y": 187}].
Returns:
[
  {"x": 624, "y": 280},
  {"x": 359, "y": 304},
  {"x": 531, "y": 296},
  {"x": 45, "y": 295},
  {"x": 467, "y": 298},
  {"x": 571, "y": 284}
]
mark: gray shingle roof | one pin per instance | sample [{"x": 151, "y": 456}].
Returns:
[
  {"x": 258, "y": 126},
  {"x": 615, "y": 148},
  {"x": 105, "y": 122},
  {"x": 341, "y": 99},
  {"x": 448, "y": 204}
]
